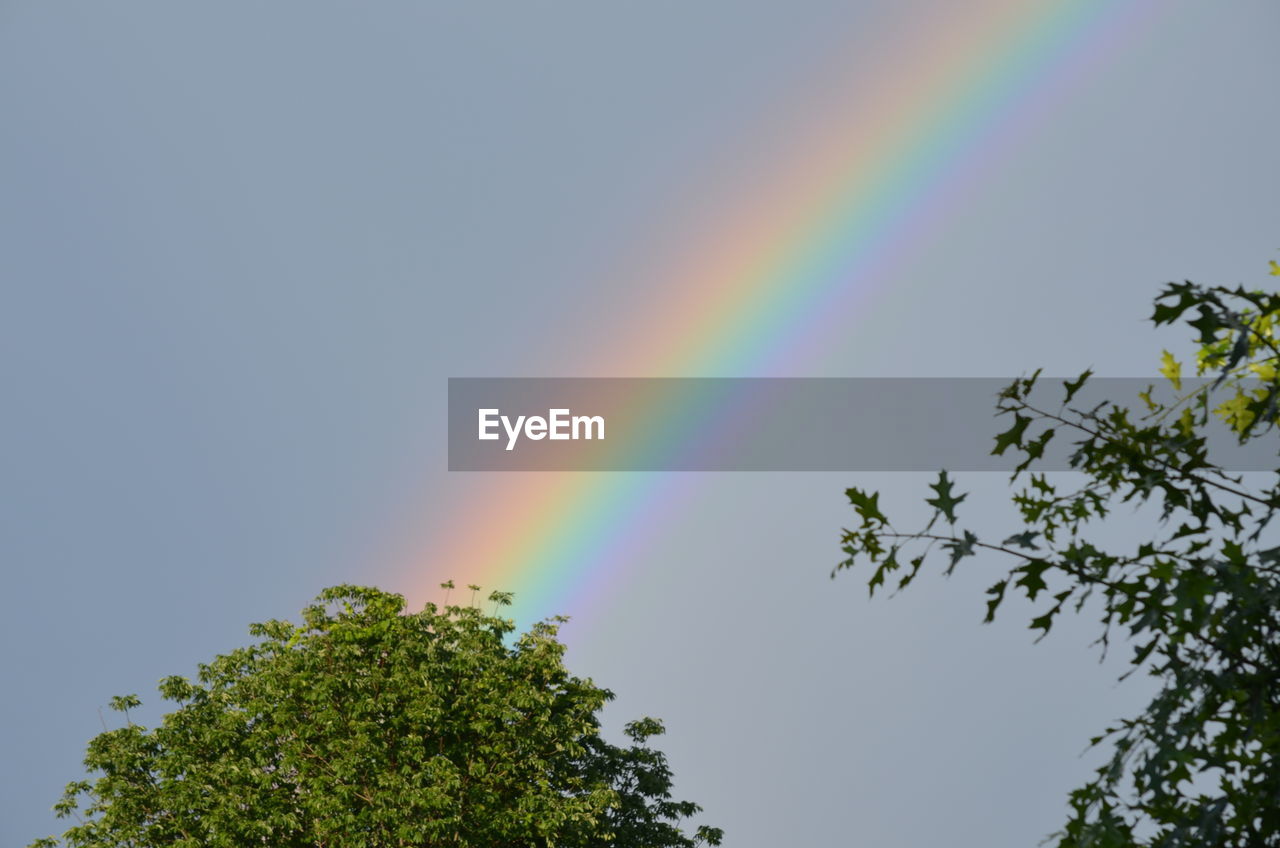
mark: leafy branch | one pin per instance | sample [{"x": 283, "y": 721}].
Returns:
[{"x": 1199, "y": 600}]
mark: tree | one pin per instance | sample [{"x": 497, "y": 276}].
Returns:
[
  {"x": 366, "y": 727},
  {"x": 1198, "y": 600}
]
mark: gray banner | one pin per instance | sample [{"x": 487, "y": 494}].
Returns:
[{"x": 781, "y": 424}]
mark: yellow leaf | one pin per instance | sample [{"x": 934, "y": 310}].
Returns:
[
  {"x": 1186, "y": 422},
  {"x": 1171, "y": 369},
  {"x": 1275, "y": 269},
  {"x": 1235, "y": 412},
  {"x": 1264, "y": 370}
]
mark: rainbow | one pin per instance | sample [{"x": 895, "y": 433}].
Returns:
[{"x": 766, "y": 290}]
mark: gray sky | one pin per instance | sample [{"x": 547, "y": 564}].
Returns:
[{"x": 243, "y": 245}]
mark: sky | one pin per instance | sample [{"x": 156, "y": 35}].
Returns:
[{"x": 243, "y": 247}]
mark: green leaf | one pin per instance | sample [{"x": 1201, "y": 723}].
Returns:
[
  {"x": 1166, "y": 313},
  {"x": 964, "y": 546},
  {"x": 945, "y": 502},
  {"x": 1013, "y": 436},
  {"x": 1171, "y": 370},
  {"x": 867, "y": 506},
  {"x": 1073, "y": 387},
  {"x": 1031, "y": 577},
  {"x": 996, "y": 591},
  {"x": 1025, "y": 539},
  {"x": 1209, "y": 325}
]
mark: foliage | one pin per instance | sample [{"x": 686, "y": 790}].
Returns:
[
  {"x": 365, "y": 726},
  {"x": 1198, "y": 602}
]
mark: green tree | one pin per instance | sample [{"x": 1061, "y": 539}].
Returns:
[
  {"x": 1197, "y": 600},
  {"x": 366, "y": 727}
]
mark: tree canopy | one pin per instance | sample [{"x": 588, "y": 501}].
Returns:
[
  {"x": 1197, "y": 600},
  {"x": 365, "y": 727}
]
